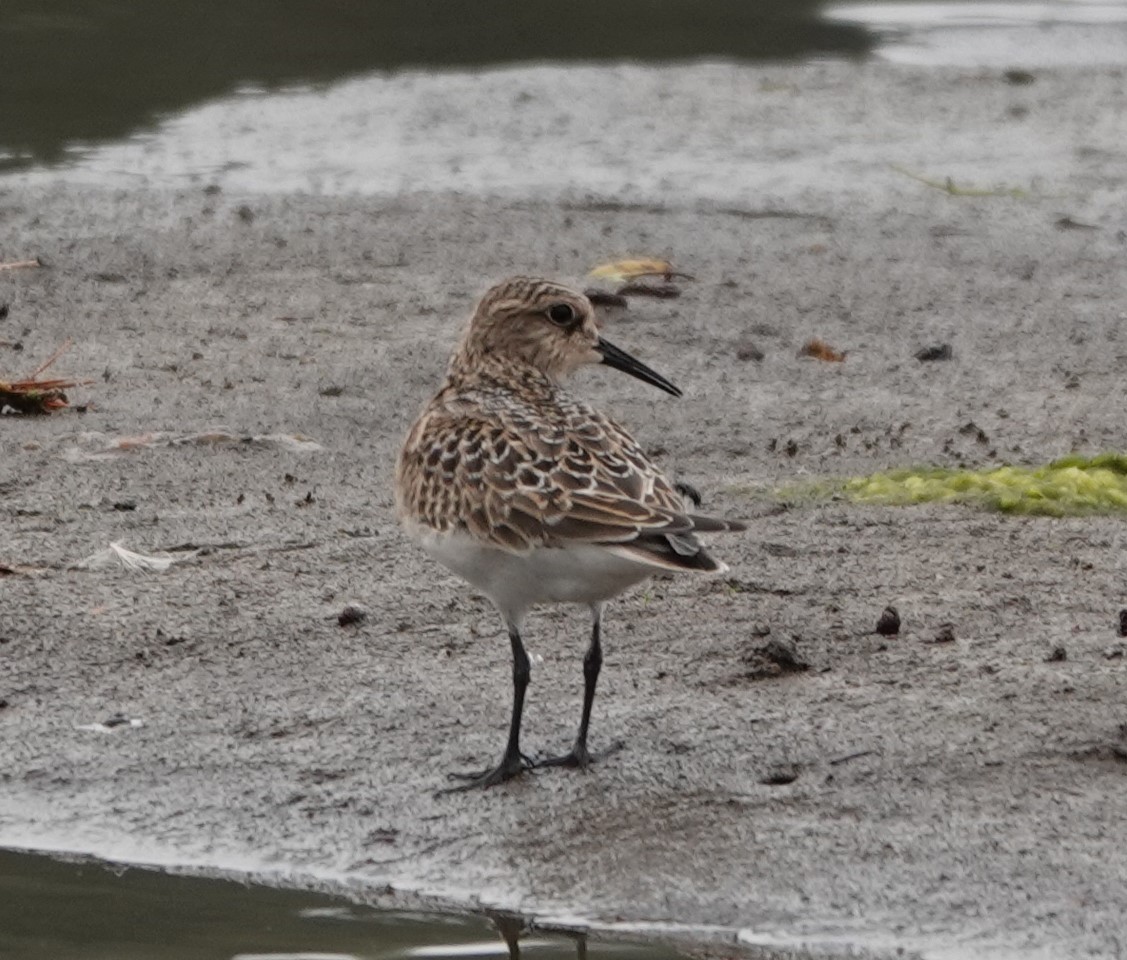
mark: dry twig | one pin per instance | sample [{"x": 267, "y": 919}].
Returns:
[{"x": 21, "y": 264}]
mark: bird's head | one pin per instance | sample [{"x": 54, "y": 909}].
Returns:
[{"x": 549, "y": 327}]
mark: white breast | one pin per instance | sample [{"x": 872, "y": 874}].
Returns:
[{"x": 585, "y": 573}]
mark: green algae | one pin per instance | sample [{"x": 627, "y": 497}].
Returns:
[{"x": 1071, "y": 486}]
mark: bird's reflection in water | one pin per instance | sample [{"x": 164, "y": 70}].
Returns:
[
  {"x": 511, "y": 926},
  {"x": 517, "y": 936}
]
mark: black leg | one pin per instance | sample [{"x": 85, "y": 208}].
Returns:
[
  {"x": 592, "y": 664},
  {"x": 513, "y": 762}
]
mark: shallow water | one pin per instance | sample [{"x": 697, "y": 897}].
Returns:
[
  {"x": 80, "y": 74},
  {"x": 86, "y": 910},
  {"x": 90, "y": 71},
  {"x": 1011, "y": 33},
  {"x": 316, "y": 114}
]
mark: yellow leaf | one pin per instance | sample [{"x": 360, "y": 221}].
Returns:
[{"x": 620, "y": 271}]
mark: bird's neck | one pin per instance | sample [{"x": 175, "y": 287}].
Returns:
[{"x": 509, "y": 373}]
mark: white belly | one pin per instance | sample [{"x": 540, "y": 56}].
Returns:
[{"x": 580, "y": 574}]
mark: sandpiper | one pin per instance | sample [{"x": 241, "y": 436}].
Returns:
[{"x": 533, "y": 496}]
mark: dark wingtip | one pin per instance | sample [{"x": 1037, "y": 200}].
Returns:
[{"x": 716, "y": 525}]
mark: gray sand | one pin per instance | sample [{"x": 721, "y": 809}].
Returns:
[{"x": 957, "y": 799}]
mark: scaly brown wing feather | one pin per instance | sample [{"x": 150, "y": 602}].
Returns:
[{"x": 508, "y": 476}]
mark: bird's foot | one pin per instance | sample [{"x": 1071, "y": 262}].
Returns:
[
  {"x": 579, "y": 756},
  {"x": 511, "y": 765}
]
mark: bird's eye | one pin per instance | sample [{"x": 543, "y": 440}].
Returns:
[{"x": 561, "y": 313}]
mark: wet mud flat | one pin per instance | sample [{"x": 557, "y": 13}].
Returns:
[{"x": 953, "y": 789}]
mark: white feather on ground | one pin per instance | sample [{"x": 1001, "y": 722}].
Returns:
[{"x": 115, "y": 555}]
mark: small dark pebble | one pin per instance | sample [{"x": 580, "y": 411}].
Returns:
[
  {"x": 125, "y": 505},
  {"x": 889, "y": 623},
  {"x": 333, "y": 391},
  {"x": 1117, "y": 651},
  {"x": 780, "y": 776},
  {"x": 245, "y": 213},
  {"x": 938, "y": 351},
  {"x": 1057, "y": 655},
  {"x": 746, "y": 350},
  {"x": 4, "y": 308},
  {"x": 352, "y": 614},
  {"x": 688, "y": 490},
  {"x": 1019, "y": 78},
  {"x": 1123, "y": 623},
  {"x": 3, "y": 703},
  {"x": 117, "y": 720}
]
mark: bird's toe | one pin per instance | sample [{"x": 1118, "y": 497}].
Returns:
[
  {"x": 579, "y": 756},
  {"x": 507, "y": 769}
]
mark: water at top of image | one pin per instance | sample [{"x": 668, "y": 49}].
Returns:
[{"x": 365, "y": 96}]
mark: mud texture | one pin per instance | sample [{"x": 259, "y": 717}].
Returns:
[{"x": 956, "y": 789}]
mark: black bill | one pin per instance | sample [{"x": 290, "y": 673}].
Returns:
[{"x": 621, "y": 360}]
